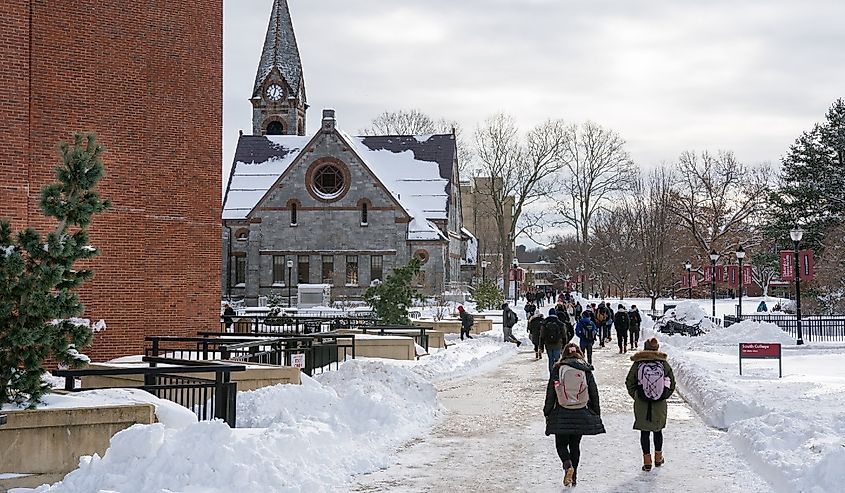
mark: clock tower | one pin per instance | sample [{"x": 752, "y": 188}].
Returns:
[{"x": 278, "y": 98}]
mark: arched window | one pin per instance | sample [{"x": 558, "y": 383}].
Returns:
[
  {"x": 293, "y": 214},
  {"x": 275, "y": 128},
  {"x": 364, "y": 214},
  {"x": 242, "y": 235}
]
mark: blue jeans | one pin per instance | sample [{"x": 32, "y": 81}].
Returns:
[{"x": 553, "y": 355}]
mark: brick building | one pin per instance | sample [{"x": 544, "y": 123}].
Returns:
[
  {"x": 147, "y": 78},
  {"x": 330, "y": 208}
]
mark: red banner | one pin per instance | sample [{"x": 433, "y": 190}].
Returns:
[
  {"x": 787, "y": 265},
  {"x": 806, "y": 259},
  {"x": 733, "y": 276},
  {"x": 694, "y": 280},
  {"x": 684, "y": 280},
  {"x": 747, "y": 275},
  {"x": 720, "y": 273},
  {"x": 708, "y": 274}
]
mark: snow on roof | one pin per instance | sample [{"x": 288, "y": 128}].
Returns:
[{"x": 259, "y": 162}]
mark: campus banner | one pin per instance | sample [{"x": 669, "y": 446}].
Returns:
[
  {"x": 747, "y": 275},
  {"x": 787, "y": 265},
  {"x": 805, "y": 257},
  {"x": 733, "y": 276}
]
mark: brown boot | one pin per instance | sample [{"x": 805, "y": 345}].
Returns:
[
  {"x": 646, "y": 462},
  {"x": 569, "y": 472},
  {"x": 658, "y": 458}
]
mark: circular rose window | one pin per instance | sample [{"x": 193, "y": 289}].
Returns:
[{"x": 328, "y": 181}]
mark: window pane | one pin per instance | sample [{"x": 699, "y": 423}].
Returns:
[
  {"x": 376, "y": 268},
  {"x": 240, "y": 270},
  {"x": 328, "y": 269},
  {"x": 293, "y": 213},
  {"x": 352, "y": 269},
  {"x": 364, "y": 213},
  {"x": 278, "y": 269},
  {"x": 302, "y": 271}
]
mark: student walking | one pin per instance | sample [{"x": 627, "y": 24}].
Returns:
[
  {"x": 553, "y": 335},
  {"x": 650, "y": 382},
  {"x": 586, "y": 331},
  {"x": 572, "y": 409},
  {"x": 622, "y": 323},
  {"x": 534, "y": 327},
  {"x": 467, "y": 321},
  {"x": 509, "y": 319},
  {"x": 634, "y": 322}
]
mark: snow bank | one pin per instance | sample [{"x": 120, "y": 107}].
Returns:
[
  {"x": 791, "y": 429},
  {"x": 309, "y": 438},
  {"x": 689, "y": 313}
]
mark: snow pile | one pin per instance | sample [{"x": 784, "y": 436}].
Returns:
[
  {"x": 689, "y": 313},
  {"x": 791, "y": 429},
  {"x": 310, "y": 438},
  {"x": 464, "y": 357},
  {"x": 746, "y": 331}
]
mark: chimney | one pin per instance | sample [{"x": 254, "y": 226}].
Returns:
[{"x": 329, "y": 122}]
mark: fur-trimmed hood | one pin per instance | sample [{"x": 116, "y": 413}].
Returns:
[{"x": 648, "y": 355}]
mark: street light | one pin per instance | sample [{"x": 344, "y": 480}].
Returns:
[
  {"x": 714, "y": 257},
  {"x": 484, "y": 265},
  {"x": 515, "y": 264},
  {"x": 688, "y": 265},
  {"x": 796, "y": 235},
  {"x": 740, "y": 255},
  {"x": 290, "y": 268}
]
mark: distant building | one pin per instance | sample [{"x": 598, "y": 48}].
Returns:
[
  {"x": 479, "y": 217},
  {"x": 331, "y": 208}
]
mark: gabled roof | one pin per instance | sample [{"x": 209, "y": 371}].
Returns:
[
  {"x": 280, "y": 51},
  {"x": 415, "y": 182}
]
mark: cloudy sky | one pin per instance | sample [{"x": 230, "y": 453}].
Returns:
[{"x": 668, "y": 75}]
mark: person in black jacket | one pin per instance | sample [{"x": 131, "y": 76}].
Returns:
[
  {"x": 622, "y": 324},
  {"x": 228, "y": 313},
  {"x": 535, "y": 325},
  {"x": 635, "y": 320},
  {"x": 567, "y": 424}
]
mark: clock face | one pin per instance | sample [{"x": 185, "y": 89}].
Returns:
[{"x": 275, "y": 93}]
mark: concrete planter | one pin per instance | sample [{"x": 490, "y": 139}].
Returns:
[{"x": 49, "y": 442}]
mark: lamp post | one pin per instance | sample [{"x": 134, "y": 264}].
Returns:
[
  {"x": 484, "y": 265},
  {"x": 796, "y": 235},
  {"x": 740, "y": 255},
  {"x": 290, "y": 269},
  {"x": 688, "y": 265},
  {"x": 515, "y": 265},
  {"x": 714, "y": 257}
]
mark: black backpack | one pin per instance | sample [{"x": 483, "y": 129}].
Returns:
[{"x": 553, "y": 333}]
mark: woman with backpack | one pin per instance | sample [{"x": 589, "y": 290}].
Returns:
[
  {"x": 586, "y": 331},
  {"x": 572, "y": 409},
  {"x": 650, "y": 382},
  {"x": 534, "y": 327}
]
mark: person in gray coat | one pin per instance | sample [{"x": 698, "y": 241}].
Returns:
[{"x": 568, "y": 424}]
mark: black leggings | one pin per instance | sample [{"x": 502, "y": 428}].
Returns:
[
  {"x": 658, "y": 441},
  {"x": 569, "y": 448}
]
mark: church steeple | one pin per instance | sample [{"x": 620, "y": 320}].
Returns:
[{"x": 278, "y": 98}]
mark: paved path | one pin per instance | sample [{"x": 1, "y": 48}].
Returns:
[{"x": 492, "y": 440}]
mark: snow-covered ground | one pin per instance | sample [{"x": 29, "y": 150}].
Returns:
[
  {"x": 310, "y": 438},
  {"x": 791, "y": 429}
]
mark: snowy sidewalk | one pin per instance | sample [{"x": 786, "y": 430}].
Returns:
[{"x": 492, "y": 440}]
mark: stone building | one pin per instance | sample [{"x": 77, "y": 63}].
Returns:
[
  {"x": 147, "y": 77},
  {"x": 478, "y": 215},
  {"x": 330, "y": 208}
]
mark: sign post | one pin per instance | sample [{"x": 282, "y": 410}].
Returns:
[
  {"x": 760, "y": 350},
  {"x": 298, "y": 360}
]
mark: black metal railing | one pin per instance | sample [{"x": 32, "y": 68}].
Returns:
[
  {"x": 180, "y": 381},
  {"x": 813, "y": 328},
  {"x": 292, "y": 324}
]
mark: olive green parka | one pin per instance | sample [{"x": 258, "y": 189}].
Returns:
[{"x": 659, "y": 409}]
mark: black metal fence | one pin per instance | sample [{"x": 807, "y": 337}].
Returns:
[
  {"x": 291, "y": 324},
  {"x": 179, "y": 382},
  {"x": 818, "y": 329}
]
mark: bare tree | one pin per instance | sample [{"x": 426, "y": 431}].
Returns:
[
  {"x": 614, "y": 260},
  {"x": 716, "y": 197},
  {"x": 415, "y": 122},
  {"x": 520, "y": 171}
]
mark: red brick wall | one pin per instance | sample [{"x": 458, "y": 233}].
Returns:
[{"x": 147, "y": 78}]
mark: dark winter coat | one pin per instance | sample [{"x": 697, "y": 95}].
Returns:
[
  {"x": 621, "y": 321},
  {"x": 509, "y": 317},
  {"x": 562, "y": 421},
  {"x": 635, "y": 320},
  {"x": 659, "y": 409},
  {"x": 535, "y": 324},
  {"x": 466, "y": 321},
  {"x": 580, "y": 331},
  {"x": 228, "y": 313},
  {"x": 577, "y": 311},
  {"x": 548, "y": 323}
]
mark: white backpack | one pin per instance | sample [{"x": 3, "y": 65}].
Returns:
[{"x": 571, "y": 389}]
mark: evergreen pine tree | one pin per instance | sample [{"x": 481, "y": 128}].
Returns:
[
  {"x": 38, "y": 279},
  {"x": 487, "y": 296},
  {"x": 812, "y": 181},
  {"x": 392, "y": 298}
]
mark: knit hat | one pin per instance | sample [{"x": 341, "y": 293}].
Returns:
[
  {"x": 652, "y": 344},
  {"x": 552, "y": 312},
  {"x": 460, "y": 308}
]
